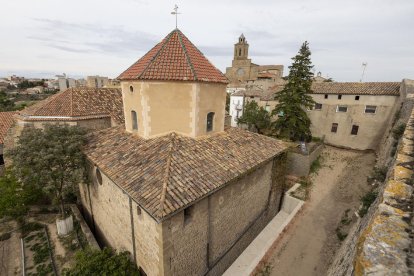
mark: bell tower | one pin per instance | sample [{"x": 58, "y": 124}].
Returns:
[{"x": 241, "y": 49}]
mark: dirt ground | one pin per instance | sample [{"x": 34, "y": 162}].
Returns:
[
  {"x": 311, "y": 242},
  {"x": 10, "y": 253}
]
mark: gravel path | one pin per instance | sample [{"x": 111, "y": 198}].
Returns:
[{"x": 310, "y": 245}]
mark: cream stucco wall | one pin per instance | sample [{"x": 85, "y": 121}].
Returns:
[
  {"x": 182, "y": 107},
  {"x": 371, "y": 126}
]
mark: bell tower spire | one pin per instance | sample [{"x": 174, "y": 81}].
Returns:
[{"x": 241, "y": 48}]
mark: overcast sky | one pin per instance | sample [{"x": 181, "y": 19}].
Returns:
[{"x": 89, "y": 37}]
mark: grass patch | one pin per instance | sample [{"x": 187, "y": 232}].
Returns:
[
  {"x": 379, "y": 174},
  {"x": 398, "y": 131},
  {"x": 341, "y": 236},
  {"x": 316, "y": 165},
  {"x": 346, "y": 220},
  {"x": 366, "y": 201}
]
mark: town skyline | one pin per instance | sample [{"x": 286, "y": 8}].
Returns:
[{"x": 88, "y": 38}]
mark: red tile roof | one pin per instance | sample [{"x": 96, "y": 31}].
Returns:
[
  {"x": 166, "y": 174},
  {"x": 357, "y": 88},
  {"x": 78, "y": 103},
  {"x": 175, "y": 58},
  {"x": 6, "y": 121}
]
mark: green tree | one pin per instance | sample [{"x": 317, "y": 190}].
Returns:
[
  {"x": 50, "y": 158},
  {"x": 105, "y": 262},
  {"x": 255, "y": 117},
  {"x": 15, "y": 197},
  {"x": 293, "y": 122},
  {"x": 5, "y": 103}
]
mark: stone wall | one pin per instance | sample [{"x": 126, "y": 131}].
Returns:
[
  {"x": 222, "y": 225},
  {"x": 299, "y": 164},
  {"x": 381, "y": 242}
]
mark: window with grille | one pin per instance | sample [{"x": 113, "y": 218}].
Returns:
[
  {"x": 371, "y": 109},
  {"x": 318, "y": 106},
  {"x": 341, "y": 108},
  {"x": 354, "y": 130},
  {"x": 334, "y": 127}
]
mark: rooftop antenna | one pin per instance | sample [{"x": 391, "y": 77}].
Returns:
[
  {"x": 364, "y": 65},
  {"x": 176, "y": 13}
]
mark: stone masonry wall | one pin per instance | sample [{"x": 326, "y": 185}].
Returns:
[
  {"x": 382, "y": 242},
  {"x": 223, "y": 225}
]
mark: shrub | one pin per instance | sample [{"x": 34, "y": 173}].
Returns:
[
  {"x": 398, "y": 131},
  {"x": 367, "y": 200},
  {"x": 105, "y": 262}
]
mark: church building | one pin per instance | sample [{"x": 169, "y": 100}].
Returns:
[
  {"x": 174, "y": 187},
  {"x": 244, "y": 73}
]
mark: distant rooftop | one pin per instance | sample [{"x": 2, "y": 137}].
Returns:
[{"x": 77, "y": 104}]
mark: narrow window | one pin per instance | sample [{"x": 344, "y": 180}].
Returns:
[
  {"x": 341, "y": 108},
  {"x": 326, "y": 96},
  {"x": 318, "y": 106},
  {"x": 339, "y": 96},
  {"x": 334, "y": 128},
  {"x": 354, "y": 130},
  {"x": 131, "y": 88},
  {"x": 239, "y": 52},
  {"x": 210, "y": 118},
  {"x": 98, "y": 176},
  {"x": 188, "y": 212},
  {"x": 134, "y": 120},
  {"x": 356, "y": 98},
  {"x": 371, "y": 109}
]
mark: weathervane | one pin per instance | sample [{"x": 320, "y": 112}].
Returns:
[
  {"x": 364, "y": 64},
  {"x": 176, "y": 13}
]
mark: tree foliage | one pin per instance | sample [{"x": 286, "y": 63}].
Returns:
[
  {"x": 15, "y": 197},
  {"x": 255, "y": 117},
  {"x": 5, "y": 103},
  {"x": 293, "y": 122},
  {"x": 50, "y": 158},
  {"x": 105, "y": 262}
]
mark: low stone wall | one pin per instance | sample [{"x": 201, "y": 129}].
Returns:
[
  {"x": 382, "y": 242},
  {"x": 299, "y": 164}
]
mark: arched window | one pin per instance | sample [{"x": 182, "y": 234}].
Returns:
[
  {"x": 134, "y": 120},
  {"x": 210, "y": 120}
]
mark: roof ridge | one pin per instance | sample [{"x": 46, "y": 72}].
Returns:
[
  {"x": 156, "y": 54},
  {"x": 186, "y": 54},
  {"x": 167, "y": 173}
]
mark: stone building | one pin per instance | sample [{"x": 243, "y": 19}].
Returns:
[
  {"x": 346, "y": 114},
  {"x": 6, "y": 122},
  {"x": 172, "y": 186},
  {"x": 96, "y": 81},
  {"x": 90, "y": 108},
  {"x": 244, "y": 73}
]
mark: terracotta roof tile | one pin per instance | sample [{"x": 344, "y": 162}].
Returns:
[
  {"x": 357, "y": 88},
  {"x": 79, "y": 103},
  {"x": 175, "y": 58},
  {"x": 168, "y": 173},
  {"x": 6, "y": 121}
]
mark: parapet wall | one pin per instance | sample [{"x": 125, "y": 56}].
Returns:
[{"x": 382, "y": 242}]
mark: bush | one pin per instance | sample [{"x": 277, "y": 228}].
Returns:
[
  {"x": 398, "y": 131},
  {"x": 316, "y": 165},
  {"x": 367, "y": 200},
  {"x": 105, "y": 262}
]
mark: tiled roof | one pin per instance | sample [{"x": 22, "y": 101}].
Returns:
[
  {"x": 267, "y": 95},
  {"x": 357, "y": 88},
  {"x": 78, "y": 103},
  {"x": 168, "y": 173},
  {"x": 175, "y": 58},
  {"x": 6, "y": 121}
]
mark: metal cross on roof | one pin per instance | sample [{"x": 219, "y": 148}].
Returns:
[{"x": 176, "y": 13}]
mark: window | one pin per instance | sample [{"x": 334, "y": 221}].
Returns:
[
  {"x": 1, "y": 160},
  {"x": 210, "y": 118},
  {"x": 356, "y": 98},
  {"x": 188, "y": 212},
  {"x": 354, "y": 130},
  {"x": 98, "y": 176},
  {"x": 138, "y": 210},
  {"x": 334, "y": 128},
  {"x": 371, "y": 109},
  {"x": 339, "y": 96},
  {"x": 318, "y": 106},
  {"x": 134, "y": 120},
  {"x": 131, "y": 88},
  {"x": 326, "y": 96},
  {"x": 341, "y": 108}
]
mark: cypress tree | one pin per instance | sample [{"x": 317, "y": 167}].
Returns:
[{"x": 293, "y": 122}]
